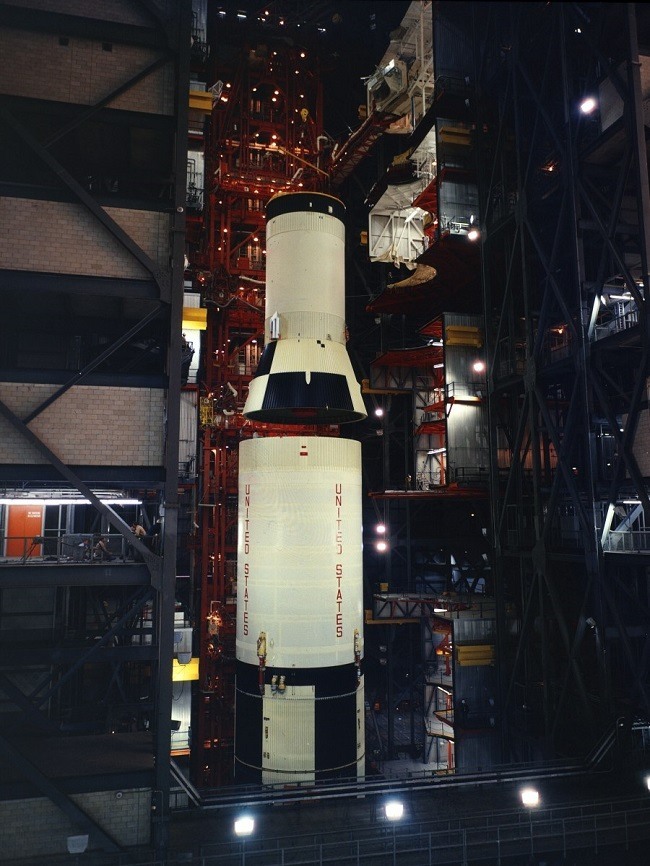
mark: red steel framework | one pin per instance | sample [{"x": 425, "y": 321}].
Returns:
[{"x": 265, "y": 137}]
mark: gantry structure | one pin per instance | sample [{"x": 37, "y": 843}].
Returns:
[
  {"x": 559, "y": 108},
  {"x": 93, "y": 200}
]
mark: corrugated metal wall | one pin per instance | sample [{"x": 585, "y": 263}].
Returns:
[{"x": 187, "y": 445}]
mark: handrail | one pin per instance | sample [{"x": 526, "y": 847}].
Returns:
[
  {"x": 521, "y": 832},
  {"x": 628, "y": 541},
  {"x": 604, "y": 746},
  {"x": 68, "y": 548},
  {"x": 185, "y": 783},
  {"x": 415, "y": 781}
]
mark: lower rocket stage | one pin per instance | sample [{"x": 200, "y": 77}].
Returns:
[{"x": 300, "y": 700}]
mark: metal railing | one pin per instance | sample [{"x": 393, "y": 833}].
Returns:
[
  {"x": 469, "y": 474},
  {"x": 630, "y": 541},
  {"x": 616, "y": 324},
  {"x": 490, "y": 836},
  {"x": 531, "y": 835},
  {"x": 81, "y": 548}
]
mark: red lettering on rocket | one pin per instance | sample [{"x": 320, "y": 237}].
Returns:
[
  {"x": 338, "y": 571},
  {"x": 247, "y": 569}
]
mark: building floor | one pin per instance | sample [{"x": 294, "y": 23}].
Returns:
[{"x": 285, "y": 831}]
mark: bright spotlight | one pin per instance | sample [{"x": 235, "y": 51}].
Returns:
[
  {"x": 588, "y": 105},
  {"x": 380, "y": 529},
  {"x": 473, "y": 234},
  {"x": 647, "y": 782},
  {"x": 529, "y": 797},
  {"x": 379, "y": 411},
  {"x": 244, "y": 826},
  {"x": 478, "y": 366},
  {"x": 394, "y": 810},
  {"x": 381, "y": 546}
]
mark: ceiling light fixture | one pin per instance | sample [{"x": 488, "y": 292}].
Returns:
[{"x": 27, "y": 500}]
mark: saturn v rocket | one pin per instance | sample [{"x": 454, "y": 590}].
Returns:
[{"x": 299, "y": 711}]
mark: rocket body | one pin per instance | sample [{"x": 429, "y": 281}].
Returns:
[
  {"x": 299, "y": 713},
  {"x": 305, "y": 374},
  {"x": 300, "y": 705}
]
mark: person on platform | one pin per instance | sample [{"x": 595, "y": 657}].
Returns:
[
  {"x": 85, "y": 549},
  {"x": 101, "y": 551},
  {"x": 140, "y": 533}
]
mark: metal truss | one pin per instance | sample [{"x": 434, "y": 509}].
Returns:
[
  {"x": 566, "y": 204},
  {"x": 118, "y": 644}
]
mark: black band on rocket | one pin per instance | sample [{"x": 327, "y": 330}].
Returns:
[{"x": 305, "y": 201}]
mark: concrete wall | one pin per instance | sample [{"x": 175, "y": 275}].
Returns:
[
  {"x": 72, "y": 241},
  {"x": 98, "y": 426},
  {"x": 36, "y": 827},
  {"x": 83, "y": 71}
]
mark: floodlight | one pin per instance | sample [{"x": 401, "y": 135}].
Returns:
[
  {"x": 394, "y": 810},
  {"x": 588, "y": 105},
  {"x": 244, "y": 826},
  {"x": 529, "y": 796}
]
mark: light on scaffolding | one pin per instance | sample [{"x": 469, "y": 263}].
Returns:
[
  {"x": 588, "y": 105},
  {"x": 394, "y": 810},
  {"x": 529, "y": 797},
  {"x": 30, "y": 500},
  {"x": 244, "y": 826}
]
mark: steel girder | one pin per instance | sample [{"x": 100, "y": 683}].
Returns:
[
  {"x": 155, "y": 36},
  {"x": 118, "y": 626},
  {"x": 25, "y": 281},
  {"x": 64, "y": 802},
  {"x": 558, "y": 190},
  {"x": 169, "y": 34},
  {"x": 160, "y": 276}
]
